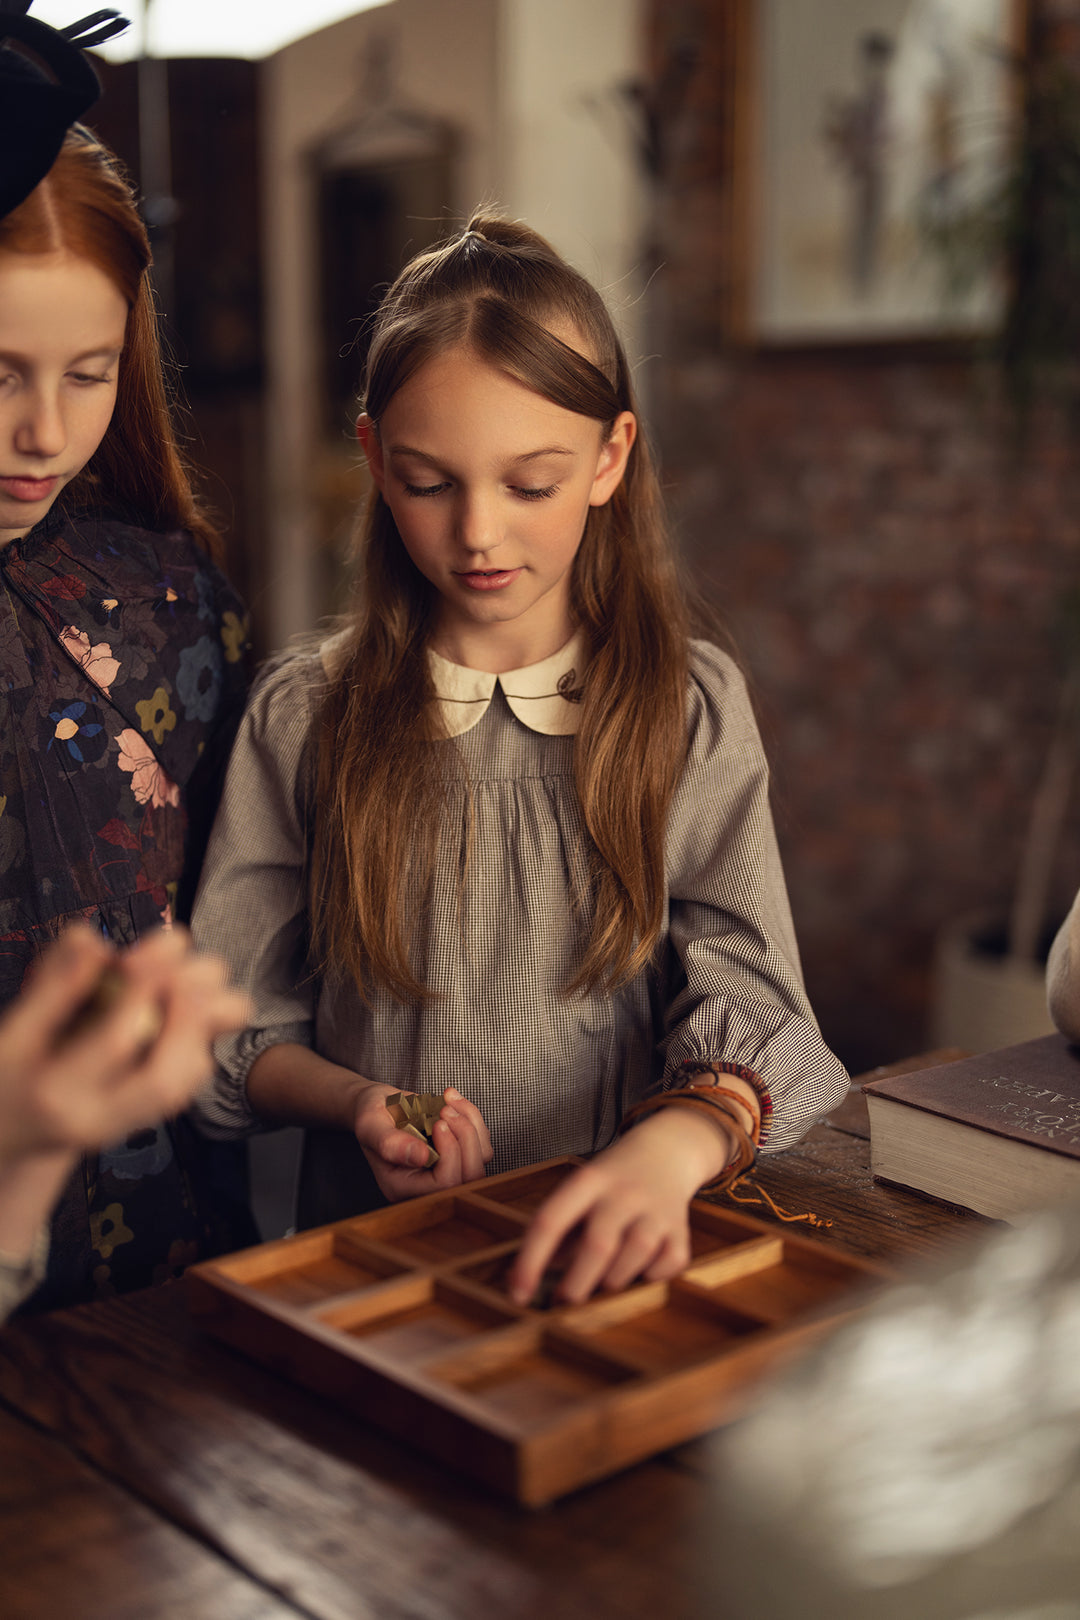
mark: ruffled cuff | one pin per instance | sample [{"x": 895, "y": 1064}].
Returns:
[
  {"x": 222, "y": 1110},
  {"x": 789, "y": 1065},
  {"x": 691, "y": 1066}
]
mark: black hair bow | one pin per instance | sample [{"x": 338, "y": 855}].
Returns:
[{"x": 45, "y": 87}]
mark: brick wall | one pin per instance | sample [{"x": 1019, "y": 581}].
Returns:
[{"x": 894, "y": 578}]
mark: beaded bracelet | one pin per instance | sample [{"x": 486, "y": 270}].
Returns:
[{"x": 710, "y": 1100}]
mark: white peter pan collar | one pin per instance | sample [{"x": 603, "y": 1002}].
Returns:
[{"x": 545, "y": 696}]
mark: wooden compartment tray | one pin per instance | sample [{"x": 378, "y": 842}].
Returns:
[{"x": 402, "y": 1316}]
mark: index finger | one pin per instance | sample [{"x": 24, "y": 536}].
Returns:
[{"x": 555, "y": 1218}]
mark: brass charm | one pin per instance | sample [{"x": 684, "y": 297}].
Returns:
[{"x": 416, "y": 1113}]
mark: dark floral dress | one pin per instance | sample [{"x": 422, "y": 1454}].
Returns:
[{"x": 122, "y": 676}]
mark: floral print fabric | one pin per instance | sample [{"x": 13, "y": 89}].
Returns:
[{"x": 121, "y": 668}]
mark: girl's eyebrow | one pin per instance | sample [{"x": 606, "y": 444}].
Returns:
[{"x": 515, "y": 461}]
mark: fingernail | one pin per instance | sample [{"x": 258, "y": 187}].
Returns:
[
  {"x": 453, "y": 1093},
  {"x": 449, "y": 1113}
]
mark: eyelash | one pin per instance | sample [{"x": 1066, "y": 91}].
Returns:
[
  {"x": 425, "y": 489},
  {"x": 538, "y": 494},
  {"x": 420, "y": 491}
]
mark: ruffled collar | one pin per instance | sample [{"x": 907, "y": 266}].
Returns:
[{"x": 546, "y": 697}]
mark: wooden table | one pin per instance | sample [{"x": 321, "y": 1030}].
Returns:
[{"x": 152, "y": 1473}]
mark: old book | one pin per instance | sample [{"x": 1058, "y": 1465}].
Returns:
[{"x": 998, "y": 1133}]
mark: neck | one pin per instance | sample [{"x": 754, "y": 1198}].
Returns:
[
  {"x": 500, "y": 645},
  {"x": 498, "y": 648}
]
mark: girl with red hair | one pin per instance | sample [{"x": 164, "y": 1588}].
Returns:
[{"x": 121, "y": 645}]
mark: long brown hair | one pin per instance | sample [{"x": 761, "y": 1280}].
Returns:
[
  {"x": 85, "y": 207},
  {"x": 498, "y": 289}
]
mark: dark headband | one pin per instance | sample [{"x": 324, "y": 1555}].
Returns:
[{"x": 42, "y": 93}]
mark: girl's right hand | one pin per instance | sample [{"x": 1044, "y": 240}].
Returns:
[{"x": 400, "y": 1162}]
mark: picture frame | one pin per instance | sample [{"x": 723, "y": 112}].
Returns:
[{"x": 860, "y": 128}]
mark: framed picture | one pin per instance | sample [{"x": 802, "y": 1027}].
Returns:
[{"x": 862, "y": 127}]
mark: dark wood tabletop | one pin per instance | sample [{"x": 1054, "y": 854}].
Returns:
[{"x": 151, "y": 1472}]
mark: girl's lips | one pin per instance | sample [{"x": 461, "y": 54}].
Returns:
[
  {"x": 28, "y": 489},
  {"x": 495, "y": 580}
]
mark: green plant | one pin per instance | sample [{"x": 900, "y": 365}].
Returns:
[{"x": 1026, "y": 227}]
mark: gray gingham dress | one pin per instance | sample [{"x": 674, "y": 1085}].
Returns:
[{"x": 551, "y": 1074}]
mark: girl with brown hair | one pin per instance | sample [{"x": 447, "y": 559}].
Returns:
[
  {"x": 120, "y": 642},
  {"x": 506, "y": 836}
]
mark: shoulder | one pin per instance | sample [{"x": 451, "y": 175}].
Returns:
[
  {"x": 719, "y": 712},
  {"x": 271, "y": 760},
  {"x": 120, "y": 537},
  {"x": 286, "y": 694},
  {"x": 167, "y": 565}
]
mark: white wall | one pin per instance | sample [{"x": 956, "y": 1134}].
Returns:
[{"x": 566, "y": 163}]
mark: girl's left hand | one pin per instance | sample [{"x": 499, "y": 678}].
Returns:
[
  {"x": 630, "y": 1205},
  {"x": 400, "y": 1162}
]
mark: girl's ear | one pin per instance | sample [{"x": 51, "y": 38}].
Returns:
[
  {"x": 368, "y": 434},
  {"x": 614, "y": 454}
]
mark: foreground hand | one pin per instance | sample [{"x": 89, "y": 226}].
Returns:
[
  {"x": 625, "y": 1214},
  {"x": 139, "y": 1062},
  {"x": 400, "y": 1162}
]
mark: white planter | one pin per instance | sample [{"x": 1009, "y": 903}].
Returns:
[{"x": 982, "y": 999}]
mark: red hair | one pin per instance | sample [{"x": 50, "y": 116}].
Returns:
[{"x": 86, "y": 207}]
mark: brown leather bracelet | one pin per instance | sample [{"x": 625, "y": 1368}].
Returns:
[
  {"x": 704, "y": 1098},
  {"x": 711, "y": 1089},
  {"x": 716, "y": 1068}
]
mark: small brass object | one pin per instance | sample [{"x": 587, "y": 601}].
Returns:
[{"x": 415, "y": 1113}]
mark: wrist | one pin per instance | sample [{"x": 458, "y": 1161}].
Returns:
[
  {"x": 743, "y": 1087},
  {"x": 28, "y": 1191},
  {"x": 721, "y": 1106},
  {"x": 289, "y": 1084},
  {"x": 699, "y": 1145}
]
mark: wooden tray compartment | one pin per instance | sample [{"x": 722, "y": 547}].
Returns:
[
  {"x": 663, "y": 1327},
  {"x": 529, "y": 1378},
  {"x": 442, "y": 1227},
  {"x": 403, "y": 1316},
  {"x": 420, "y": 1317},
  {"x": 313, "y": 1266}
]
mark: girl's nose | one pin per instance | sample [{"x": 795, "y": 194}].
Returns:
[
  {"x": 41, "y": 431},
  {"x": 479, "y": 529}
]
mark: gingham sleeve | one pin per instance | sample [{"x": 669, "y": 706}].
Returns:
[
  {"x": 741, "y": 999},
  {"x": 251, "y": 905}
]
